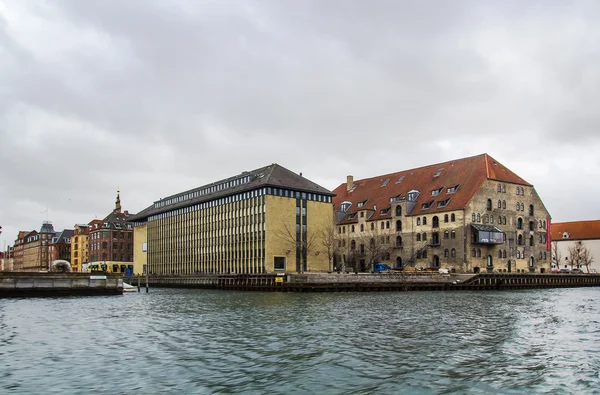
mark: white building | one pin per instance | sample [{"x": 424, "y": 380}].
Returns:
[{"x": 566, "y": 235}]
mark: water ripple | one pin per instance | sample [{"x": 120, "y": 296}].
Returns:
[{"x": 205, "y": 342}]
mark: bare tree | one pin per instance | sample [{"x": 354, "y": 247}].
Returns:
[
  {"x": 556, "y": 255},
  {"x": 332, "y": 243},
  {"x": 306, "y": 243},
  {"x": 377, "y": 247},
  {"x": 580, "y": 255}
]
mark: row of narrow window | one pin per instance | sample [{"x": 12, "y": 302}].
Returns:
[
  {"x": 435, "y": 221},
  {"x": 502, "y": 205}
]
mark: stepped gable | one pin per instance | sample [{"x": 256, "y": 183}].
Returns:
[
  {"x": 273, "y": 175},
  {"x": 576, "y": 230},
  {"x": 468, "y": 174}
]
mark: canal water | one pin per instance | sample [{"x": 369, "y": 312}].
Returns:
[{"x": 208, "y": 342}]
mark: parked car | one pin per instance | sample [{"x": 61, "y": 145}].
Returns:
[
  {"x": 565, "y": 271},
  {"x": 381, "y": 267},
  {"x": 576, "y": 271}
]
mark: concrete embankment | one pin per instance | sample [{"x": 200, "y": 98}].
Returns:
[
  {"x": 375, "y": 282},
  {"x": 22, "y": 284}
]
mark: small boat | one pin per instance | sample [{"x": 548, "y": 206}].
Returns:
[{"x": 129, "y": 288}]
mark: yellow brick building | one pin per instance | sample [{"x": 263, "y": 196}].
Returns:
[{"x": 263, "y": 221}]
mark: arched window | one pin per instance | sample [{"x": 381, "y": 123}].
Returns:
[
  {"x": 445, "y": 218},
  {"x": 531, "y": 241},
  {"x": 478, "y": 217},
  {"x": 504, "y": 254},
  {"x": 398, "y": 226},
  {"x": 473, "y": 253},
  {"x": 520, "y": 223},
  {"x": 503, "y": 188},
  {"x": 518, "y": 191},
  {"x": 499, "y": 253},
  {"x": 473, "y": 217},
  {"x": 504, "y": 220},
  {"x": 398, "y": 211},
  {"x": 387, "y": 224},
  {"x": 340, "y": 230},
  {"x": 424, "y": 254},
  {"x": 540, "y": 258},
  {"x": 531, "y": 209},
  {"x": 478, "y": 253},
  {"x": 353, "y": 245},
  {"x": 452, "y": 217},
  {"x": 545, "y": 256},
  {"x": 499, "y": 188},
  {"x": 446, "y": 253},
  {"x": 518, "y": 206},
  {"x": 362, "y": 248},
  {"x": 522, "y": 207},
  {"x": 398, "y": 241},
  {"x": 424, "y": 220},
  {"x": 435, "y": 222},
  {"x": 453, "y": 234},
  {"x": 372, "y": 225},
  {"x": 382, "y": 224},
  {"x": 418, "y": 237},
  {"x": 399, "y": 262},
  {"x": 499, "y": 203},
  {"x": 453, "y": 253},
  {"x": 352, "y": 228},
  {"x": 446, "y": 234},
  {"x": 531, "y": 261},
  {"x": 504, "y": 205},
  {"x": 424, "y": 237},
  {"x": 520, "y": 240},
  {"x": 418, "y": 221},
  {"x": 362, "y": 227},
  {"x": 344, "y": 243},
  {"x": 419, "y": 254},
  {"x": 518, "y": 254},
  {"x": 343, "y": 229},
  {"x": 491, "y": 219},
  {"x": 372, "y": 242},
  {"x": 382, "y": 239},
  {"x": 531, "y": 225},
  {"x": 489, "y": 204}
]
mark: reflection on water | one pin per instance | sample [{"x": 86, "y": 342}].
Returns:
[{"x": 198, "y": 341}]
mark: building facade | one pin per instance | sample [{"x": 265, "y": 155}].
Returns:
[
  {"x": 468, "y": 215},
  {"x": 60, "y": 246},
  {"x": 571, "y": 240},
  {"x": 32, "y": 249},
  {"x": 266, "y": 220},
  {"x": 111, "y": 242},
  {"x": 80, "y": 245}
]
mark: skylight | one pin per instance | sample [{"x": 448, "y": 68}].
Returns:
[
  {"x": 400, "y": 179},
  {"x": 385, "y": 182},
  {"x": 437, "y": 173}
]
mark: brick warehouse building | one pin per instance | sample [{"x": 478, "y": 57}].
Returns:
[
  {"x": 110, "y": 242},
  {"x": 266, "y": 220},
  {"x": 468, "y": 215}
]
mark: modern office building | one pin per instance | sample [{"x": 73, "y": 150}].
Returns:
[
  {"x": 266, "y": 220},
  {"x": 468, "y": 215}
]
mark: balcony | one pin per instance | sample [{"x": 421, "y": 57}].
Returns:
[{"x": 486, "y": 234}]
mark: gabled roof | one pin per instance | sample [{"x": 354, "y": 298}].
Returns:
[
  {"x": 468, "y": 174},
  {"x": 576, "y": 230},
  {"x": 59, "y": 238},
  {"x": 273, "y": 175}
]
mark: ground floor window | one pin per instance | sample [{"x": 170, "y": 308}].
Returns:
[{"x": 279, "y": 263}]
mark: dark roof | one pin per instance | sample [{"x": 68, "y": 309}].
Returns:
[
  {"x": 59, "y": 237},
  {"x": 576, "y": 230},
  {"x": 468, "y": 174},
  {"x": 115, "y": 220},
  {"x": 273, "y": 175}
]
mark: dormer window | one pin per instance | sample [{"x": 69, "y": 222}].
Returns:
[
  {"x": 345, "y": 206},
  {"x": 360, "y": 204},
  {"x": 437, "y": 173},
  {"x": 436, "y": 192},
  {"x": 413, "y": 195},
  {"x": 443, "y": 203},
  {"x": 426, "y": 205},
  {"x": 399, "y": 180},
  {"x": 384, "y": 211},
  {"x": 453, "y": 189},
  {"x": 385, "y": 182}
]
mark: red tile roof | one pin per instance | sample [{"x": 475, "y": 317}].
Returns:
[
  {"x": 468, "y": 174},
  {"x": 577, "y": 230}
]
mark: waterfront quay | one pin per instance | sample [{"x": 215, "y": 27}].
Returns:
[
  {"x": 373, "y": 282},
  {"x": 25, "y": 284}
]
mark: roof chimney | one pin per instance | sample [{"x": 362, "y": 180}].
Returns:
[{"x": 349, "y": 182}]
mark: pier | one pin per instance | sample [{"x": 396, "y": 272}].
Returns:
[
  {"x": 375, "y": 282},
  {"x": 25, "y": 284}
]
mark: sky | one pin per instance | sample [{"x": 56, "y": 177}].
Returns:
[{"x": 156, "y": 97}]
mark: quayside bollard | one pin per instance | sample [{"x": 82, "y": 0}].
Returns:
[{"x": 139, "y": 282}]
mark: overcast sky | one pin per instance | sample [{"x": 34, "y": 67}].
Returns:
[{"x": 155, "y": 97}]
